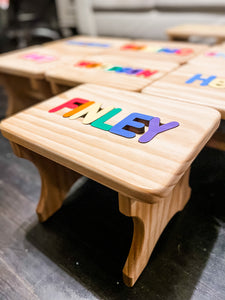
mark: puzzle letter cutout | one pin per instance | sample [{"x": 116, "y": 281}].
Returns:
[
  {"x": 118, "y": 69},
  {"x": 97, "y": 116},
  {"x": 212, "y": 81}
]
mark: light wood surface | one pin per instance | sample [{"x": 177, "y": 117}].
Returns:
[
  {"x": 22, "y": 75},
  {"x": 212, "y": 57},
  {"x": 149, "y": 221},
  {"x": 69, "y": 74},
  {"x": 151, "y": 178},
  {"x": 105, "y": 157},
  {"x": 19, "y": 63},
  {"x": 173, "y": 86},
  {"x": 151, "y": 49},
  {"x": 69, "y": 46},
  {"x": 202, "y": 30}
]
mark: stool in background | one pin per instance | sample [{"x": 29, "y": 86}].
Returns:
[
  {"x": 22, "y": 75},
  {"x": 202, "y": 85},
  {"x": 161, "y": 50},
  {"x": 86, "y": 45},
  {"x": 185, "y": 31},
  {"x": 109, "y": 70}
]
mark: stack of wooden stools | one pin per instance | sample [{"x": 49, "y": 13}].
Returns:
[{"x": 140, "y": 144}]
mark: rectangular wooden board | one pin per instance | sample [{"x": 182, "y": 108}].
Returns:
[
  {"x": 202, "y": 30},
  {"x": 75, "y": 71},
  {"x": 161, "y": 50},
  {"x": 175, "y": 86},
  {"x": 212, "y": 57},
  {"x": 32, "y": 62},
  {"x": 86, "y": 44}
]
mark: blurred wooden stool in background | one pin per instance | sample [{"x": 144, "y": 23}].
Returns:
[
  {"x": 203, "y": 85},
  {"x": 22, "y": 73},
  {"x": 116, "y": 71},
  {"x": 178, "y": 52},
  {"x": 185, "y": 31}
]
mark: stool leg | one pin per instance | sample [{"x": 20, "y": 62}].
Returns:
[
  {"x": 217, "y": 141},
  {"x": 23, "y": 92},
  {"x": 149, "y": 221},
  {"x": 18, "y": 102},
  {"x": 56, "y": 181}
]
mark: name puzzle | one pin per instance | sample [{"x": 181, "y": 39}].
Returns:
[{"x": 96, "y": 116}]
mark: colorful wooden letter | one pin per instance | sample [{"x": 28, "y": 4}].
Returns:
[
  {"x": 69, "y": 104},
  {"x": 155, "y": 128},
  {"x": 91, "y": 113},
  {"x": 134, "y": 123},
  {"x": 205, "y": 81},
  {"x": 100, "y": 123}
]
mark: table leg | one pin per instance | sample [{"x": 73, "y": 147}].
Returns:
[
  {"x": 149, "y": 222},
  {"x": 56, "y": 181}
]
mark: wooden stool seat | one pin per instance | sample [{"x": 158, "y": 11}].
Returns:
[
  {"x": 186, "y": 31},
  {"x": 178, "y": 52},
  {"x": 202, "y": 85},
  {"x": 22, "y": 74},
  {"x": 214, "y": 56},
  {"x": 108, "y": 70},
  {"x": 86, "y": 45},
  {"x": 138, "y": 145}
]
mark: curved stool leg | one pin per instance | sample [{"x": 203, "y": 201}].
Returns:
[
  {"x": 56, "y": 181},
  {"x": 23, "y": 93},
  {"x": 149, "y": 221}
]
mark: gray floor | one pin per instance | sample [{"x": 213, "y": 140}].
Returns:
[{"x": 80, "y": 251}]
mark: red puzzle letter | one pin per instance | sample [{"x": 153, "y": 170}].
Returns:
[
  {"x": 69, "y": 104},
  {"x": 146, "y": 73}
]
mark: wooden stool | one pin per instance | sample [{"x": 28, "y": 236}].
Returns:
[
  {"x": 22, "y": 75},
  {"x": 108, "y": 70},
  {"x": 158, "y": 50},
  {"x": 195, "y": 84},
  {"x": 86, "y": 45},
  {"x": 214, "y": 56},
  {"x": 69, "y": 135},
  {"x": 185, "y": 31}
]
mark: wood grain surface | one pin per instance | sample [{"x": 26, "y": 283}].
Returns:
[
  {"x": 173, "y": 86},
  {"x": 212, "y": 57},
  {"x": 69, "y": 74},
  {"x": 142, "y": 171},
  {"x": 66, "y": 46},
  {"x": 162, "y": 56},
  {"x": 149, "y": 221},
  {"x": 203, "y": 30},
  {"x": 15, "y": 63}
]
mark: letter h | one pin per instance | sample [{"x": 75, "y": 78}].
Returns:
[{"x": 205, "y": 81}]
